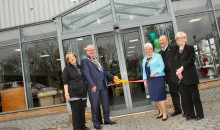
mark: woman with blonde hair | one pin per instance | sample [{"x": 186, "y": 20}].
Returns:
[
  {"x": 186, "y": 75},
  {"x": 75, "y": 88}
]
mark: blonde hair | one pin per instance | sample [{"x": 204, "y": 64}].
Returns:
[
  {"x": 181, "y": 34},
  {"x": 67, "y": 57}
]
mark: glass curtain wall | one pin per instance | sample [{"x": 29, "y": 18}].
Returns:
[
  {"x": 94, "y": 14},
  {"x": 137, "y": 9},
  {"x": 11, "y": 80},
  {"x": 198, "y": 22},
  {"x": 42, "y": 73},
  {"x": 42, "y": 70}
]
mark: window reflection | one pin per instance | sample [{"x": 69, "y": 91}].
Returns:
[
  {"x": 189, "y": 6},
  {"x": 42, "y": 73},
  {"x": 158, "y": 30},
  {"x": 216, "y": 4},
  {"x": 136, "y": 9},
  {"x": 39, "y": 31},
  {"x": 95, "y": 13},
  {"x": 11, "y": 81},
  {"x": 77, "y": 45},
  {"x": 8, "y": 37}
]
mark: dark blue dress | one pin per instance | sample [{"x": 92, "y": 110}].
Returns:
[{"x": 156, "y": 86}]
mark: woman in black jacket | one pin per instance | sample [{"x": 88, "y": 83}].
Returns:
[
  {"x": 186, "y": 75},
  {"x": 75, "y": 88}
]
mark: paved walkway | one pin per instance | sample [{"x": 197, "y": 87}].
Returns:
[{"x": 141, "y": 121}]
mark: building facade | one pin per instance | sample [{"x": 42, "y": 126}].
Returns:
[{"x": 32, "y": 55}]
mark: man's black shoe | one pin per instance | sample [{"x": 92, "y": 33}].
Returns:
[
  {"x": 189, "y": 118},
  {"x": 184, "y": 114},
  {"x": 175, "y": 113},
  {"x": 110, "y": 123},
  {"x": 198, "y": 118},
  {"x": 85, "y": 128},
  {"x": 98, "y": 127}
]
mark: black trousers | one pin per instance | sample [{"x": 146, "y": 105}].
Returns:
[
  {"x": 176, "y": 93},
  {"x": 192, "y": 100},
  {"x": 78, "y": 114}
]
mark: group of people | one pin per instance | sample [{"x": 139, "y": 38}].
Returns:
[{"x": 173, "y": 65}]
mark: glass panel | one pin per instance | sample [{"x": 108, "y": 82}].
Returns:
[
  {"x": 107, "y": 51},
  {"x": 95, "y": 13},
  {"x": 42, "y": 73},
  {"x": 202, "y": 33},
  {"x": 133, "y": 54},
  {"x": 190, "y": 6},
  {"x": 11, "y": 80},
  {"x": 39, "y": 31},
  {"x": 158, "y": 30},
  {"x": 8, "y": 37},
  {"x": 136, "y": 9},
  {"x": 216, "y": 4},
  {"x": 77, "y": 45}
]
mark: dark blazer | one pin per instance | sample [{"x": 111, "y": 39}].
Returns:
[
  {"x": 187, "y": 60},
  {"x": 168, "y": 63},
  {"x": 77, "y": 86},
  {"x": 92, "y": 74}
]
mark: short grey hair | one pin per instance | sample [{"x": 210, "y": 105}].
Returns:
[
  {"x": 148, "y": 45},
  {"x": 180, "y": 34}
]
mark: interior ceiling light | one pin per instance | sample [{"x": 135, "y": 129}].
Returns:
[
  {"x": 195, "y": 20},
  {"x": 98, "y": 20},
  {"x": 17, "y": 49},
  {"x": 57, "y": 59},
  {"x": 79, "y": 39},
  {"x": 131, "y": 17},
  {"x": 131, "y": 47},
  {"x": 44, "y": 55},
  {"x": 73, "y": 0},
  {"x": 135, "y": 40},
  {"x": 131, "y": 52},
  {"x": 129, "y": 55}
]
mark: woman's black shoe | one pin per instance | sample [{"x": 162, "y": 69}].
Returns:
[
  {"x": 98, "y": 127},
  {"x": 175, "y": 113},
  {"x": 158, "y": 117},
  {"x": 164, "y": 119}
]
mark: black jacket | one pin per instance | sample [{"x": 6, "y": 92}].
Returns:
[
  {"x": 167, "y": 59},
  {"x": 187, "y": 60},
  {"x": 76, "y": 82}
]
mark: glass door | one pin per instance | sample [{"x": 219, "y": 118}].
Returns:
[
  {"x": 133, "y": 54},
  {"x": 108, "y": 51}
]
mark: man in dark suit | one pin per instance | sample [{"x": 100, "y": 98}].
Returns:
[
  {"x": 96, "y": 76},
  {"x": 174, "y": 88}
]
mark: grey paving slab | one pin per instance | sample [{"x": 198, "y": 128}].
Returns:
[{"x": 143, "y": 121}]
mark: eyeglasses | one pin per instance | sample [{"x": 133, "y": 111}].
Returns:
[
  {"x": 178, "y": 38},
  {"x": 91, "y": 50}
]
